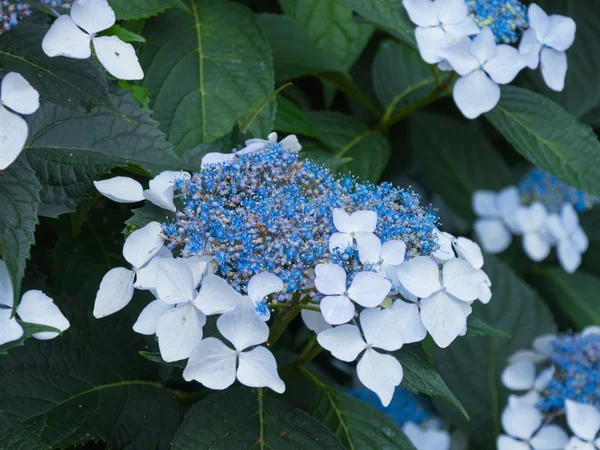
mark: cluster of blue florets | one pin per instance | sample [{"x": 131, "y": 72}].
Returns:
[
  {"x": 576, "y": 359},
  {"x": 11, "y": 13},
  {"x": 271, "y": 211},
  {"x": 506, "y": 18},
  {"x": 405, "y": 406},
  {"x": 539, "y": 185}
]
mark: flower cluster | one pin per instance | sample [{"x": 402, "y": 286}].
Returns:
[
  {"x": 567, "y": 385},
  {"x": 463, "y": 36},
  {"x": 11, "y": 13},
  {"x": 259, "y": 229},
  {"x": 542, "y": 210}
]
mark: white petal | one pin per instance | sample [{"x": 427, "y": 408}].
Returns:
[
  {"x": 216, "y": 296},
  {"x": 118, "y": 58},
  {"x": 200, "y": 265},
  {"x": 13, "y": 135},
  {"x": 179, "y": 331},
  {"x": 93, "y": 15},
  {"x": 544, "y": 345},
  {"x": 519, "y": 376},
  {"x": 264, "y": 284},
  {"x": 554, "y": 68},
  {"x": 163, "y": 199},
  {"x": 483, "y": 47},
  {"x": 148, "y": 319},
  {"x": 36, "y": 307},
  {"x": 556, "y": 228},
  {"x": 494, "y": 236},
  {"x": 408, "y": 320},
  {"x": 19, "y": 95},
  {"x": 505, "y": 65},
  {"x": 337, "y": 309},
  {"x": 421, "y": 12},
  {"x": 167, "y": 179},
  {"x": 505, "y": 442},
  {"x": 469, "y": 251},
  {"x": 7, "y": 296},
  {"x": 174, "y": 281},
  {"x": 486, "y": 294},
  {"x": 569, "y": 256},
  {"x": 342, "y": 220},
  {"x": 584, "y": 420},
  {"x": 530, "y": 48},
  {"x": 121, "y": 189},
  {"x": 340, "y": 241},
  {"x": 115, "y": 293},
  {"x": 569, "y": 217},
  {"x": 314, "y": 321},
  {"x": 526, "y": 355},
  {"x": 462, "y": 280},
  {"x": 544, "y": 378},
  {"x": 539, "y": 21},
  {"x": 466, "y": 27},
  {"x": 330, "y": 279},
  {"x": 485, "y": 205},
  {"x": 365, "y": 221},
  {"x": 561, "y": 33},
  {"x": 242, "y": 327},
  {"x": 476, "y": 94},
  {"x": 443, "y": 317},
  {"x": 380, "y": 373},
  {"x": 369, "y": 247},
  {"x": 536, "y": 246},
  {"x": 445, "y": 250},
  {"x": 393, "y": 252},
  {"x": 451, "y": 11},
  {"x": 10, "y": 330},
  {"x": 591, "y": 330},
  {"x": 508, "y": 200},
  {"x": 460, "y": 58},
  {"x": 216, "y": 158},
  {"x": 344, "y": 342},
  {"x": 258, "y": 368},
  {"x": 420, "y": 276},
  {"x": 369, "y": 289},
  {"x": 64, "y": 38},
  {"x": 381, "y": 330},
  {"x": 414, "y": 432},
  {"x": 212, "y": 363},
  {"x": 291, "y": 143},
  {"x": 146, "y": 276},
  {"x": 531, "y": 218},
  {"x": 521, "y": 420},
  {"x": 577, "y": 444},
  {"x": 431, "y": 41},
  {"x": 141, "y": 245}
]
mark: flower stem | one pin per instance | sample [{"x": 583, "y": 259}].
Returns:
[
  {"x": 283, "y": 319},
  {"x": 309, "y": 352},
  {"x": 310, "y": 376}
]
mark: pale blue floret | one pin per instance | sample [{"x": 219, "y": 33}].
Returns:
[{"x": 506, "y": 18}]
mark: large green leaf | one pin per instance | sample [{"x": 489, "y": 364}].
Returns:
[
  {"x": 70, "y": 83},
  {"x": 138, "y": 9},
  {"x": 549, "y": 137},
  {"x": 349, "y": 138},
  {"x": 471, "y": 366},
  {"x": 330, "y": 25},
  {"x": 205, "y": 69},
  {"x": 20, "y": 201},
  {"x": 242, "y": 418},
  {"x": 292, "y": 119},
  {"x": 456, "y": 158},
  {"x": 575, "y": 295},
  {"x": 68, "y": 150}
]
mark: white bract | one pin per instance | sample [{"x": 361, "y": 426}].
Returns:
[
  {"x": 445, "y": 300},
  {"x": 445, "y": 250},
  {"x": 66, "y": 38},
  {"x": 259, "y": 287},
  {"x": 520, "y": 375},
  {"x": 427, "y": 438},
  {"x": 367, "y": 289},
  {"x": 385, "y": 258},
  {"x": 35, "y": 307},
  {"x": 532, "y": 222},
  {"x": 358, "y": 228},
  {"x": 496, "y": 221},
  {"x": 213, "y": 363},
  {"x": 482, "y": 65},
  {"x": 584, "y": 421},
  {"x": 18, "y": 95},
  {"x": 127, "y": 190},
  {"x": 314, "y": 320},
  {"x": 524, "y": 431},
  {"x": 545, "y": 42},
  {"x": 439, "y": 23},
  {"x": 571, "y": 241},
  {"x": 379, "y": 372}
]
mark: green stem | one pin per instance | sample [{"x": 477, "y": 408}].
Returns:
[
  {"x": 261, "y": 438},
  {"x": 310, "y": 355},
  {"x": 287, "y": 306},
  {"x": 283, "y": 320},
  {"x": 310, "y": 377}
]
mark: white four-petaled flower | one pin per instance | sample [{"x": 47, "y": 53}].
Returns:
[
  {"x": 570, "y": 239},
  {"x": 385, "y": 258},
  {"x": 358, "y": 228},
  {"x": 532, "y": 223},
  {"x": 259, "y": 286},
  {"x": 427, "y": 438}
]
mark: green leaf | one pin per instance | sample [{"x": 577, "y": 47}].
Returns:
[
  {"x": 243, "y": 418},
  {"x": 247, "y": 119},
  {"x": 20, "y": 200},
  {"x": 234, "y": 139},
  {"x": 29, "y": 329},
  {"x": 322, "y": 155},
  {"x": 71, "y": 83},
  {"x": 471, "y": 366},
  {"x": 139, "y": 9},
  {"x": 549, "y": 137},
  {"x": 576, "y": 295},
  {"x": 456, "y": 158},
  {"x": 124, "y": 34},
  {"x": 421, "y": 377},
  {"x": 68, "y": 150},
  {"x": 349, "y": 138},
  {"x": 330, "y": 25},
  {"x": 477, "y": 327},
  {"x": 206, "y": 68},
  {"x": 82, "y": 387},
  {"x": 292, "y": 119},
  {"x": 344, "y": 83},
  {"x": 138, "y": 92},
  {"x": 146, "y": 214}
]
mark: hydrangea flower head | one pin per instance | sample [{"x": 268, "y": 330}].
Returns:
[{"x": 506, "y": 18}]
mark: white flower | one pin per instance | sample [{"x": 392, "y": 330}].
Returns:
[
  {"x": 532, "y": 222},
  {"x": 35, "y": 307},
  {"x": 259, "y": 286},
  {"x": 367, "y": 289},
  {"x": 127, "y": 190},
  {"x": 445, "y": 250},
  {"x": 18, "y": 95},
  {"x": 356, "y": 227},
  {"x": 66, "y": 38},
  {"x": 116, "y": 288},
  {"x": 584, "y": 421},
  {"x": 213, "y": 363},
  {"x": 380, "y": 373},
  {"x": 522, "y": 423},
  {"x": 426, "y": 439},
  {"x": 385, "y": 258},
  {"x": 482, "y": 65},
  {"x": 521, "y": 375},
  {"x": 470, "y": 251},
  {"x": 571, "y": 240},
  {"x": 547, "y": 40},
  {"x": 439, "y": 23},
  {"x": 445, "y": 301},
  {"x": 496, "y": 223},
  {"x": 314, "y": 320}
]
